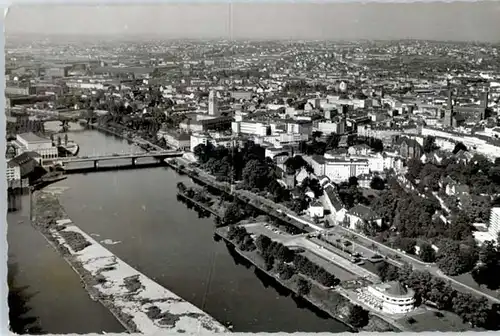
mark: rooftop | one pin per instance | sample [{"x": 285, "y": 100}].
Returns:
[
  {"x": 394, "y": 289},
  {"x": 32, "y": 137}
]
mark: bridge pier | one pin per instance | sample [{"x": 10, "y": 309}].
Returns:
[
  {"x": 134, "y": 161},
  {"x": 96, "y": 164}
]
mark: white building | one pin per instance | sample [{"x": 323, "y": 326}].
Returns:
[
  {"x": 339, "y": 170},
  {"x": 13, "y": 171},
  {"x": 29, "y": 142},
  {"x": 494, "y": 227},
  {"x": 281, "y": 140},
  {"x": 337, "y": 208},
  {"x": 316, "y": 210},
  {"x": 332, "y": 127},
  {"x": 390, "y": 298},
  {"x": 201, "y": 138},
  {"x": 250, "y": 128},
  {"x": 212, "y": 104}
]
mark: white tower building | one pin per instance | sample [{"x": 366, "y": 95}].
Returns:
[{"x": 212, "y": 103}]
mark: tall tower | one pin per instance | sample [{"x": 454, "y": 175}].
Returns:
[
  {"x": 484, "y": 105},
  {"x": 212, "y": 103},
  {"x": 448, "y": 113}
]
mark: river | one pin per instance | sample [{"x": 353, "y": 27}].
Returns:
[{"x": 152, "y": 231}]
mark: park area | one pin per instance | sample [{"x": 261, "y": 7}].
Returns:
[{"x": 440, "y": 321}]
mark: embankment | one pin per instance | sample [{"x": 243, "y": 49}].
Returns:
[
  {"x": 328, "y": 301},
  {"x": 139, "y": 303}
]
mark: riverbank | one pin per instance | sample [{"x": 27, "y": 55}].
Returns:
[
  {"x": 144, "y": 144},
  {"x": 200, "y": 204},
  {"x": 139, "y": 303},
  {"x": 329, "y": 301},
  {"x": 179, "y": 165}
]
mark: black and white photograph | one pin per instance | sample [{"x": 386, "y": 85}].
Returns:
[{"x": 252, "y": 167}]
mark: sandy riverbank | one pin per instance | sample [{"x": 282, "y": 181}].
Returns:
[{"x": 138, "y": 302}]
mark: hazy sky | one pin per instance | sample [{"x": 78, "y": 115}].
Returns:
[{"x": 439, "y": 21}]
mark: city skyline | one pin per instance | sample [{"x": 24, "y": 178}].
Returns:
[{"x": 458, "y": 21}]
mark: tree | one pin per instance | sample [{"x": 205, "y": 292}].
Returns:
[
  {"x": 303, "y": 287},
  {"x": 263, "y": 243},
  {"x": 232, "y": 214},
  {"x": 460, "y": 228},
  {"x": 66, "y": 139},
  {"x": 387, "y": 272},
  {"x": 427, "y": 253},
  {"x": 458, "y": 147},
  {"x": 358, "y": 317},
  {"x": 353, "y": 181},
  {"x": 377, "y": 183},
  {"x": 58, "y": 141},
  {"x": 269, "y": 262},
  {"x": 429, "y": 144},
  {"x": 327, "y": 224},
  {"x": 452, "y": 260},
  {"x": 286, "y": 272},
  {"x": 414, "y": 168}
]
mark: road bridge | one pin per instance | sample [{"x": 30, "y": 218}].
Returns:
[{"x": 133, "y": 157}]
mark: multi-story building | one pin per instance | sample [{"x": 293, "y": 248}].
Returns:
[
  {"x": 338, "y": 127},
  {"x": 494, "y": 225},
  {"x": 181, "y": 141},
  {"x": 339, "y": 169},
  {"x": 13, "y": 171},
  {"x": 204, "y": 138},
  {"x": 204, "y": 123},
  {"x": 281, "y": 140},
  {"x": 212, "y": 104},
  {"x": 391, "y": 297},
  {"x": 30, "y": 142},
  {"x": 250, "y": 128}
]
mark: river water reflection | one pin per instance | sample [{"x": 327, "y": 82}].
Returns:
[{"x": 156, "y": 234}]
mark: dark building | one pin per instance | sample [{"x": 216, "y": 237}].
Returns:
[{"x": 409, "y": 148}]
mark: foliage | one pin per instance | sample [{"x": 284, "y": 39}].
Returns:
[
  {"x": 377, "y": 183},
  {"x": 303, "y": 287},
  {"x": 247, "y": 163},
  {"x": 453, "y": 259},
  {"x": 241, "y": 238},
  {"x": 427, "y": 253},
  {"x": 387, "y": 272},
  {"x": 430, "y": 144},
  {"x": 358, "y": 317}
]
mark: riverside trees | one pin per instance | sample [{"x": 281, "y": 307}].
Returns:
[
  {"x": 247, "y": 164},
  {"x": 290, "y": 263}
]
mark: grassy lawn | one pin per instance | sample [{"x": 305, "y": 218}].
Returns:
[
  {"x": 467, "y": 279},
  {"x": 429, "y": 321}
]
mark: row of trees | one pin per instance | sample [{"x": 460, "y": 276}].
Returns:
[
  {"x": 477, "y": 311},
  {"x": 24, "y": 125},
  {"x": 291, "y": 263},
  {"x": 241, "y": 238}
]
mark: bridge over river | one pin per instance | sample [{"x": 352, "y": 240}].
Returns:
[{"x": 130, "y": 158}]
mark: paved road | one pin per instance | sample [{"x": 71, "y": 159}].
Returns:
[{"x": 328, "y": 255}]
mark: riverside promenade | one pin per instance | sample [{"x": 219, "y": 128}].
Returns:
[{"x": 140, "y": 304}]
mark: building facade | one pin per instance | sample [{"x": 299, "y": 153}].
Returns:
[
  {"x": 391, "y": 298},
  {"x": 494, "y": 225},
  {"x": 29, "y": 142}
]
